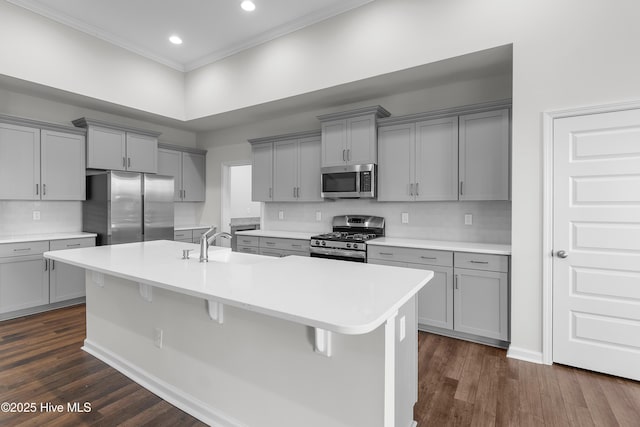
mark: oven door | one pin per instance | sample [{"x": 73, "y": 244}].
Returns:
[{"x": 340, "y": 254}]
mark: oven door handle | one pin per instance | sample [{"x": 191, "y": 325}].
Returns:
[{"x": 339, "y": 252}]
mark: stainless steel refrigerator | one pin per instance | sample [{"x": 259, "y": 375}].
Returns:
[{"x": 124, "y": 207}]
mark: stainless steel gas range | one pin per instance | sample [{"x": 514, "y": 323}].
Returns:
[{"x": 348, "y": 241}]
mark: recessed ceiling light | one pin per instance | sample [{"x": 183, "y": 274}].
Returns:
[
  {"x": 175, "y": 40},
  {"x": 248, "y": 5}
]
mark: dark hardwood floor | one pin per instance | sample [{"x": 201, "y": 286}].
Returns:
[{"x": 460, "y": 383}]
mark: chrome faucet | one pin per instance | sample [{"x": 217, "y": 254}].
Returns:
[{"x": 209, "y": 238}]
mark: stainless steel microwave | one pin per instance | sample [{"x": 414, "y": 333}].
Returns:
[{"x": 349, "y": 182}]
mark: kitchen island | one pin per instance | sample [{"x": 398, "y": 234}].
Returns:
[{"x": 246, "y": 340}]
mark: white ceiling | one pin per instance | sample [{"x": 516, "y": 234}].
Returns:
[{"x": 210, "y": 29}]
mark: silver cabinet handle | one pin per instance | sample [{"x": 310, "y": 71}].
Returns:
[
  {"x": 270, "y": 192},
  {"x": 428, "y": 257},
  {"x": 53, "y": 265},
  {"x": 479, "y": 262},
  {"x": 455, "y": 281},
  {"x": 70, "y": 245},
  {"x": 461, "y": 187},
  {"x": 184, "y": 194},
  {"x": 23, "y": 249},
  {"x": 129, "y": 162},
  {"x": 37, "y": 189},
  {"x": 44, "y": 189},
  {"x": 344, "y": 157},
  {"x": 417, "y": 188},
  {"x": 386, "y": 253},
  {"x": 270, "y": 243},
  {"x": 562, "y": 254},
  {"x": 46, "y": 265},
  {"x": 411, "y": 189},
  {"x": 348, "y": 154},
  {"x": 296, "y": 246},
  {"x": 124, "y": 162}
]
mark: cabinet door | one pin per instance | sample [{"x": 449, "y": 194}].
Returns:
[
  {"x": 24, "y": 283},
  {"x": 309, "y": 152},
  {"x": 395, "y": 166},
  {"x": 106, "y": 148},
  {"x": 436, "y": 159},
  {"x": 170, "y": 163},
  {"x": 285, "y": 170},
  {"x": 481, "y": 303},
  {"x": 193, "y": 177},
  {"x": 142, "y": 153},
  {"x": 361, "y": 140},
  {"x": 484, "y": 156},
  {"x": 261, "y": 172},
  {"x": 435, "y": 300},
  {"x": 19, "y": 162},
  {"x": 334, "y": 143},
  {"x": 63, "y": 166},
  {"x": 66, "y": 281}
]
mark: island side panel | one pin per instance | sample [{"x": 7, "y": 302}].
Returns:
[
  {"x": 406, "y": 363},
  {"x": 252, "y": 370}
]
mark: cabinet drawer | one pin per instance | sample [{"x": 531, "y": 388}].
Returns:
[
  {"x": 57, "y": 245},
  {"x": 23, "y": 248},
  {"x": 286, "y": 244},
  {"x": 183, "y": 235},
  {"x": 482, "y": 261},
  {"x": 248, "y": 240},
  {"x": 248, "y": 249},
  {"x": 411, "y": 255},
  {"x": 197, "y": 234}
]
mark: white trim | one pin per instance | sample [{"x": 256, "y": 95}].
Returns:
[
  {"x": 547, "y": 218},
  {"x": 389, "y": 409},
  {"x": 225, "y": 193},
  {"x": 525, "y": 355},
  {"x": 178, "y": 398}
]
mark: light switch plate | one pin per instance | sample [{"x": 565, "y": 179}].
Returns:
[
  {"x": 405, "y": 217},
  {"x": 36, "y": 215},
  {"x": 157, "y": 337},
  {"x": 318, "y": 216},
  {"x": 280, "y": 215},
  {"x": 468, "y": 219}
]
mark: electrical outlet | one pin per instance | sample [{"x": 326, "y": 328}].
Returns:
[
  {"x": 468, "y": 219},
  {"x": 318, "y": 216},
  {"x": 405, "y": 217},
  {"x": 36, "y": 215},
  {"x": 280, "y": 215},
  {"x": 403, "y": 328},
  {"x": 157, "y": 337}
]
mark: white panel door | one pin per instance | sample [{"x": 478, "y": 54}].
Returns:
[
  {"x": 262, "y": 172},
  {"x": 596, "y": 242},
  {"x": 436, "y": 159},
  {"x": 334, "y": 143},
  {"x": 396, "y": 163},
  {"x": 361, "y": 140},
  {"x": 63, "y": 166},
  {"x": 106, "y": 148},
  {"x": 309, "y": 153},
  {"x": 194, "y": 171}
]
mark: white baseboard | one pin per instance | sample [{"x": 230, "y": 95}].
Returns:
[
  {"x": 176, "y": 397},
  {"x": 526, "y": 355}
]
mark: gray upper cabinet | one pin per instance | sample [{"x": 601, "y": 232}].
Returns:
[
  {"x": 188, "y": 169},
  {"x": 63, "y": 166},
  {"x": 41, "y": 162},
  {"x": 418, "y": 161},
  {"x": 262, "y": 172},
  {"x": 286, "y": 168},
  {"x": 484, "y": 156},
  {"x": 19, "y": 162},
  {"x": 350, "y": 138},
  {"x": 115, "y": 147}
]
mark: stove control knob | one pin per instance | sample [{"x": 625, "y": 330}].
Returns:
[
  {"x": 348, "y": 245},
  {"x": 355, "y": 246},
  {"x": 324, "y": 243},
  {"x": 317, "y": 242}
]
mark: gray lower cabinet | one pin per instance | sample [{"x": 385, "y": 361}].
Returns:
[
  {"x": 29, "y": 283},
  {"x": 468, "y": 296},
  {"x": 272, "y": 246},
  {"x": 189, "y": 235}
]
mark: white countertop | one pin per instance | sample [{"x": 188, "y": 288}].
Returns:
[
  {"x": 19, "y": 238},
  {"x": 484, "y": 248},
  {"x": 190, "y": 227},
  {"x": 343, "y": 297},
  {"x": 279, "y": 234}
]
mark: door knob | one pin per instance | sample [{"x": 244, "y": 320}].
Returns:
[{"x": 562, "y": 254}]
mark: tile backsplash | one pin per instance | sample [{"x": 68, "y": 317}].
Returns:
[
  {"x": 491, "y": 220},
  {"x": 16, "y": 217}
]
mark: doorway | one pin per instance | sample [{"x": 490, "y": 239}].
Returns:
[
  {"x": 592, "y": 239},
  {"x": 236, "y": 203}
]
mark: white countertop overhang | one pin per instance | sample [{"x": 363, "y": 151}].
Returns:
[{"x": 338, "y": 296}]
